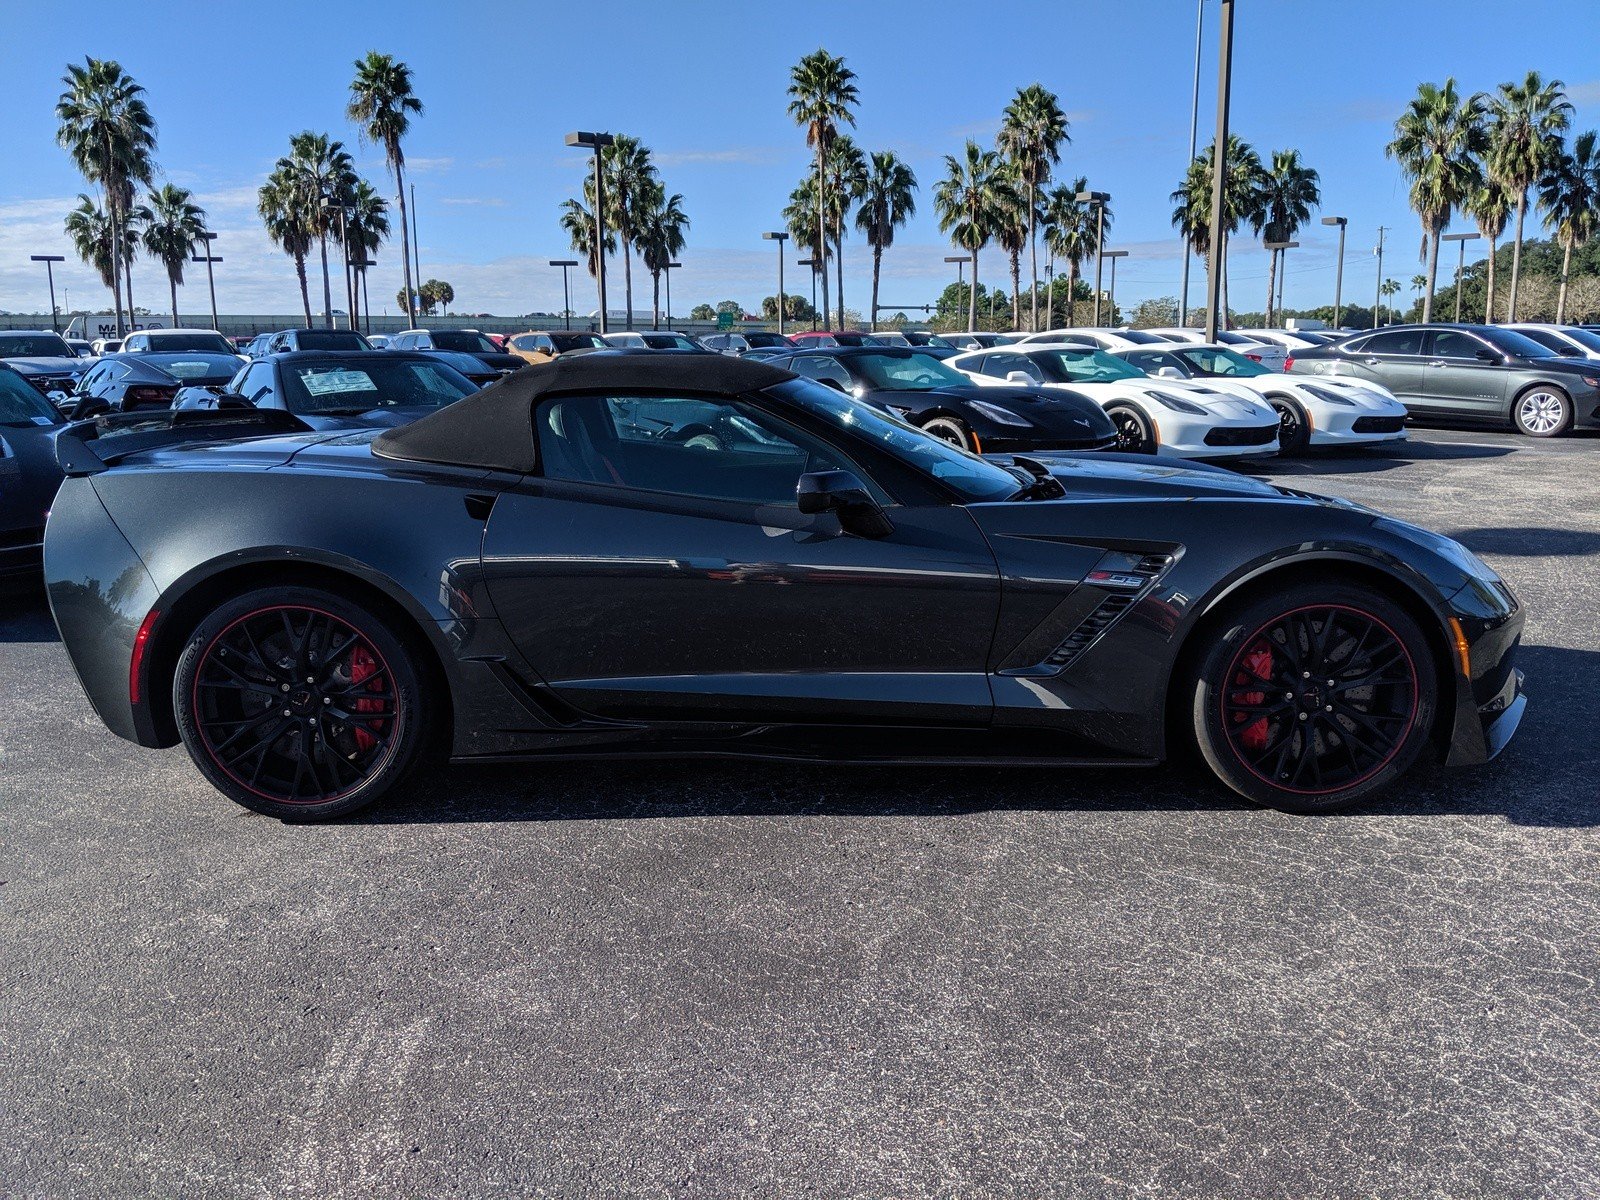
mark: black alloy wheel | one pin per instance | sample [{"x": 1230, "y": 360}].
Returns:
[
  {"x": 1294, "y": 427},
  {"x": 1315, "y": 697},
  {"x": 1135, "y": 434},
  {"x": 297, "y": 703}
]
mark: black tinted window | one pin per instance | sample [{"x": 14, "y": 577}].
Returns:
[
  {"x": 33, "y": 345},
  {"x": 1452, "y": 343},
  {"x": 20, "y": 404},
  {"x": 1399, "y": 341}
]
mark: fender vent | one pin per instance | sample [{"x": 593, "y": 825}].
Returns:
[
  {"x": 1146, "y": 570},
  {"x": 479, "y": 506}
]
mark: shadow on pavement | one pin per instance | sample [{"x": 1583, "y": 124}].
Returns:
[
  {"x": 1359, "y": 460},
  {"x": 1530, "y": 543}
]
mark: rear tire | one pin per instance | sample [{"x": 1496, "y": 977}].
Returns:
[
  {"x": 1542, "y": 411},
  {"x": 298, "y": 703},
  {"x": 1297, "y": 713}
]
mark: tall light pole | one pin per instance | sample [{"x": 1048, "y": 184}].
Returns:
[
  {"x": 49, "y": 261},
  {"x": 1461, "y": 240},
  {"x": 1111, "y": 299},
  {"x": 597, "y": 142},
  {"x": 1278, "y": 248},
  {"x": 960, "y": 261},
  {"x": 1194, "y": 128},
  {"x": 1098, "y": 200},
  {"x": 566, "y": 293},
  {"x": 1338, "y": 271},
  {"x": 360, "y": 265},
  {"x": 211, "y": 280},
  {"x": 1377, "y": 303},
  {"x": 777, "y": 235},
  {"x": 1216, "y": 256},
  {"x": 667, "y": 269},
  {"x": 812, "y": 263},
  {"x": 344, "y": 211}
]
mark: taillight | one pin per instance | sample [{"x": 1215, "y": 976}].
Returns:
[
  {"x": 1253, "y": 357},
  {"x": 148, "y": 395},
  {"x": 141, "y": 641},
  {"x": 1288, "y": 363}
]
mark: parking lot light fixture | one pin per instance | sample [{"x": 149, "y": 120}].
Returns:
[
  {"x": 361, "y": 266},
  {"x": 1098, "y": 200},
  {"x": 666, "y": 270},
  {"x": 566, "y": 291},
  {"x": 780, "y": 237},
  {"x": 211, "y": 280},
  {"x": 49, "y": 261},
  {"x": 597, "y": 142},
  {"x": 1461, "y": 240},
  {"x": 812, "y": 263},
  {"x": 960, "y": 261},
  {"x": 1338, "y": 271},
  {"x": 1111, "y": 297}
]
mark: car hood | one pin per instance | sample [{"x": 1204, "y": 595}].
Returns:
[{"x": 48, "y": 366}]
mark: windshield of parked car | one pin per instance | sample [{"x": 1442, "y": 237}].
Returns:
[
  {"x": 576, "y": 341},
  {"x": 1139, "y": 337},
  {"x": 906, "y": 372},
  {"x": 1511, "y": 342},
  {"x": 192, "y": 367},
  {"x": 461, "y": 339},
  {"x": 669, "y": 341},
  {"x": 330, "y": 339},
  {"x": 1084, "y": 366},
  {"x": 973, "y": 478},
  {"x": 344, "y": 389},
  {"x": 214, "y": 342},
  {"x": 21, "y": 403},
  {"x": 34, "y": 345},
  {"x": 1587, "y": 338},
  {"x": 1214, "y": 360}
]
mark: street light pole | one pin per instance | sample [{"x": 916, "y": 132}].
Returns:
[
  {"x": 597, "y": 142},
  {"x": 812, "y": 263},
  {"x": 211, "y": 280},
  {"x": 1098, "y": 201},
  {"x": 1278, "y": 248},
  {"x": 1461, "y": 240},
  {"x": 360, "y": 265},
  {"x": 667, "y": 270},
  {"x": 781, "y": 237},
  {"x": 1338, "y": 272},
  {"x": 1216, "y": 257},
  {"x": 960, "y": 261},
  {"x": 1377, "y": 303},
  {"x": 49, "y": 261},
  {"x": 1194, "y": 127},
  {"x": 416, "y": 258},
  {"x": 1111, "y": 298},
  {"x": 566, "y": 293}
]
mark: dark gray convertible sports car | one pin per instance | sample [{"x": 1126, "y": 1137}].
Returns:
[{"x": 650, "y": 554}]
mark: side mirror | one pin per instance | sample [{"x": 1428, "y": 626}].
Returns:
[
  {"x": 1489, "y": 356},
  {"x": 1169, "y": 373},
  {"x": 1020, "y": 377},
  {"x": 843, "y": 493}
]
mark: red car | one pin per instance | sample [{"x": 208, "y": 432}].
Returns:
[{"x": 836, "y": 337}]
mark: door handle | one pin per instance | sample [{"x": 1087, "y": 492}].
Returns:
[
  {"x": 1438, "y": 362},
  {"x": 1371, "y": 362}
]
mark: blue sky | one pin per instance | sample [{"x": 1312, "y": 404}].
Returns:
[{"x": 703, "y": 85}]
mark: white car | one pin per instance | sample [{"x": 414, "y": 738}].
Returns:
[
  {"x": 160, "y": 341},
  {"x": 1318, "y": 410},
  {"x": 1104, "y": 339},
  {"x": 1566, "y": 340},
  {"x": 1296, "y": 339},
  {"x": 664, "y": 339},
  {"x": 1270, "y": 354},
  {"x": 1165, "y": 417}
]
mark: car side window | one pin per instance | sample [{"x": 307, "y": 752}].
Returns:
[
  {"x": 1001, "y": 365},
  {"x": 1452, "y": 343},
  {"x": 823, "y": 369},
  {"x": 257, "y": 379},
  {"x": 1399, "y": 341},
  {"x": 711, "y": 448}
]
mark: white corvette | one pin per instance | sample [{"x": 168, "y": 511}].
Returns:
[
  {"x": 1314, "y": 410},
  {"x": 1152, "y": 416}
]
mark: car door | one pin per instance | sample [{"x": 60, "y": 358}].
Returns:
[
  {"x": 658, "y": 567},
  {"x": 1459, "y": 381},
  {"x": 1394, "y": 359}
]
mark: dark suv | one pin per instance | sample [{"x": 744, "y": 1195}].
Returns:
[{"x": 1470, "y": 373}]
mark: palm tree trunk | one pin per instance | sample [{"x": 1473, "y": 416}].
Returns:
[
  {"x": 1516, "y": 257},
  {"x": 838, "y": 264},
  {"x": 173, "y": 284},
  {"x": 405, "y": 240},
  {"x": 822, "y": 225},
  {"x": 1016, "y": 290},
  {"x": 1433, "y": 273},
  {"x": 1033, "y": 264},
  {"x": 1072, "y": 292},
  {"x": 627, "y": 275},
  {"x": 655, "y": 300},
  {"x": 1561, "y": 294},
  {"x": 305, "y": 291},
  {"x": 327, "y": 291},
  {"x": 1488, "y": 299},
  {"x": 972, "y": 297},
  {"x": 1272, "y": 284},
  {"x": 877, "y": 262},
  {"x": 127, "y": 283}
]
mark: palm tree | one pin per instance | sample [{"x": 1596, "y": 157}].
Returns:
[
  {"x": 1388, "y": 288},
  {"x": 1032, "y": 133},
  {"x": 90, "y": 230},
  {"x": 282, "y": 210},
  {"x": 174, "y": 229},
  {"x": 631, "y": 181},
  {"x": 847, "y": 178},
  {"x": 1569, "y": 194},
  {"x": 801, "y": 217},
  {"x": 1490, "y": 207},
  {"x": 106, "y": 127},
  {"x": 1289, "y": 192},
  {"x": 367, "y": 228},
  {"x": 1437, "y": 141},
  {"x": 1011, "y": 231},
  {"x": 662, "y": 226},
  {"x": 888, "y": 201},
  {"x": 1241, "y": 201},
  {"x": 822, "y": 96},
  {"x": 579, "y": 223},
  {"x": 1525, "y": 123},
  {"x": 382, "y": 104},
  {"x": 1070, "y": 232},
  {"x": 971, "y": 200}
]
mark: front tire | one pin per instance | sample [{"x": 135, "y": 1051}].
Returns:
[
  {"x": 298, "y": 703},
  {"x": 953, "y": 430},
  {"x": 1294, "y": 427},
  {"x": 1542, "y": 411},
  {"x": 1312, "y": 698},
  {"x": 1135, "y": 433}
]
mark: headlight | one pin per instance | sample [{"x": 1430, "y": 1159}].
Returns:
[
  {"x": 999, "y": 415},
  {"x": 1329, "y": 397},
  {"x": 1166, "y": 400},
  {"x": 1449, "y": 549}
]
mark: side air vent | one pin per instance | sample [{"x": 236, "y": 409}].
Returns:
[
  {"x": 1128, "y": 579},
  {"x": 479, "y": 506}
]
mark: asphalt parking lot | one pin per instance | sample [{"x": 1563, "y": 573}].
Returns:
[{"x": 767, "y": 980}]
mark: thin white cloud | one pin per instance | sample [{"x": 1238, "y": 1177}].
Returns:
[
  {"x": 743, "y": 155},
  {"x": 428, "y": 166},
  {"x": 476, "y": 201}
]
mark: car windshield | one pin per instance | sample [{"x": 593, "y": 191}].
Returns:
[
  {"x": 347, "y": 388},
  {"x": 974, "y": 478},
  {"x": 1085, "y": 366},
  {"x": 34, "y": 345},
  {"x": 668, "y": 341},
  {"x": 1215, "y": 360},
  {"x": 194, "y": 366},
  {"x": 167, "y": 342},
  {"x": 1512, "y": 342},
  {"x": 21, "y": 404},
  {"x": 462, "y": 339},
  {"x": 1587, "y": 338},
  {"x": 1140, "y": 338},
  {"x": 906, "y": 372},
  {"x": 330, "y": 339},
  {"x": 576, "y": 341}
]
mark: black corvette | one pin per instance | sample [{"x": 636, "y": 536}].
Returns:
[
  {"x": 917, "y": 387},
  {"x": 29, "y": 475},
  {"x": 127, "y": 382},
  {"x": 653, "y": 555}
]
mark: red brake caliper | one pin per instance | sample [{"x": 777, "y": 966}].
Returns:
[
  {"x": 1257, "y": 666},
  {"x": 362, "y": 668}
]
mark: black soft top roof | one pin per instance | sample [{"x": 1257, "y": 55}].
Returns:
[{"x": 494, "y": 427}]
